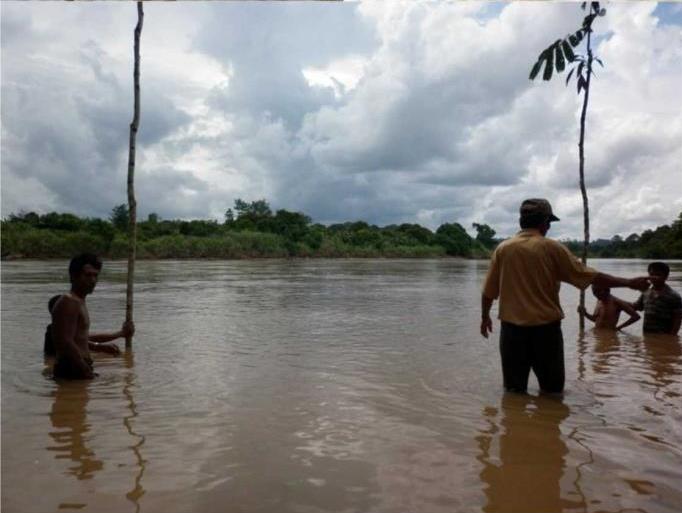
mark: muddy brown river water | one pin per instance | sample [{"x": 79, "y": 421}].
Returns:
[{"x": 328, "y": 386}]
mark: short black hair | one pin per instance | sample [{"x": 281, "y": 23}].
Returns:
[
  {"x": 79, "y": 261},
  {"x": 53, "y": 301},
  {"x": 533, "y": 220},
  {"x": 659, "y": 268}
]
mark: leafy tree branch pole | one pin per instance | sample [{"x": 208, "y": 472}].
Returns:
[
  {"x": 583, "y": 189},
  {"x": 554, "y": 57},
  {"x": 132, "y": 204}
]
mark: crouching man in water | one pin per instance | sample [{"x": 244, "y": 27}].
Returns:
[
  {"x": 525, "y": 274},
  {"x": 71, "y": 322}
]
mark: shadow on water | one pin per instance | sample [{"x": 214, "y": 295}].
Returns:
[
  {"x": 664, "y": 355},
  {"x": 652, "y": 361},
  {"x": 637, "y": 380},
  {"x": 72, "y": 430},
  {"x": 137, "y": 491},
  {"x": 524, "y": 455}
]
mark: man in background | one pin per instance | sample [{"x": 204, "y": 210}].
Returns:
[{"x": 661, "y": 304}]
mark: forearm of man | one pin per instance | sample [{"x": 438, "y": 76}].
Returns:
[
  {"x": 603, "y": 280},
  {"x": 486, "y": 305},
  {"x": 630, "y": 310},
  {"x": 591, "y": 316},
  {"x": 633, "y": 319},
  {"x": 486, "y": 321},
  {"x": 96, "y": 346},
  {"x": 104, "y": 337}
]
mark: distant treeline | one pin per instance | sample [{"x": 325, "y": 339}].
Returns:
[
  {"x": 250, "y": 230},
  {"x": 665, "y": 242}
]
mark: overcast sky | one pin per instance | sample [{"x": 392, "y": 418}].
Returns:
[{"x": 389, "y": 112}]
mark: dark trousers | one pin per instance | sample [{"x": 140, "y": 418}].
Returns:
[{"x": 540, "y": 348}]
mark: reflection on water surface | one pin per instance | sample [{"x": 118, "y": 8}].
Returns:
[{"x": 341, "y": 385}]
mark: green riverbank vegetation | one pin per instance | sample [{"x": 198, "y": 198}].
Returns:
[
  {"x": 252, "y": 230},
  {"x": 249, "y": 230},
  {"x": 663, "y": 242}
]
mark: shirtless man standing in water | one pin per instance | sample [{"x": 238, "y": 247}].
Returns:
[
  {"x": 71, "y": 321},
  {"x": 607, "y": 311}
]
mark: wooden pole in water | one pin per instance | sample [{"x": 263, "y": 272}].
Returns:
[
  {"x": 581, "y": 155},
  {"x": 132, "y": 204}
]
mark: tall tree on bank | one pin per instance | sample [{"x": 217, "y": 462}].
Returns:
[
  {"x": 132, "y": 204},
  {"x": 554, "y": 58}
]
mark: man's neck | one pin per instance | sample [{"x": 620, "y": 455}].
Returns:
[{"x": 79, "y": 294}]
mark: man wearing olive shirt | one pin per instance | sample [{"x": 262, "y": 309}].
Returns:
[
  {"x": 525, "y": 275},
  {"x": 661, "y": 304}
]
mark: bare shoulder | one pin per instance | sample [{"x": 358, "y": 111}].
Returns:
[
  {"x": 621, "y": 302},
  {"x": 67, "y": 305}
]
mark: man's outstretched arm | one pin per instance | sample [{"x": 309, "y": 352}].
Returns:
[{"x": 603, "y": 280}]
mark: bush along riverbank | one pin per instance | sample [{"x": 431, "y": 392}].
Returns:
[
  {"x": 251, "y": 230},
  {"x": 662, "y": 243}
]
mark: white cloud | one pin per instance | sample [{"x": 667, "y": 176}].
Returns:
[
  {"x": 385, "y": 111},
  {"x": 342, "y": 75}
]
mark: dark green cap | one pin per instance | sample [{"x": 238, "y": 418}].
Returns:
[{"x": 536, "y": 207}]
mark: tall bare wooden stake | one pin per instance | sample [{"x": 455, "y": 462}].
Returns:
[{"x": 132, "y": 204}]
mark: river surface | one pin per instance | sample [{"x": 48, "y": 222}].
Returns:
[{"x": 328, "y": 386}]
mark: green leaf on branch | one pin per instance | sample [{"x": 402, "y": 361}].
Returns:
[
  {"x": 587, "y": 22},
  {"x": 560, "y": 62},
  {"x": 536, "y": 69},
  {"x": 568, "y": 51},
  {"x": 582, "y": 83},
  {"x": 576, "y": 38},
  {"x": 569, "y": 75},
  {"x": 549, "y": 66}
]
